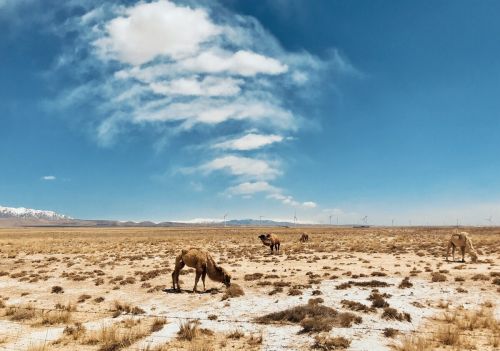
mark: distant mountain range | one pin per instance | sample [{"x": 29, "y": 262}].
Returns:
[
  {"x": 27, "y": 217},
  {"x": 29, "y": 213}
]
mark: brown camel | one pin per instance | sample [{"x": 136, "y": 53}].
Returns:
[
  {"x": 270, "y": 240},
  {"x": 203, "y": 263},
  {"x": 462, "y": 241},
  {"x": 304, "y": 237}
]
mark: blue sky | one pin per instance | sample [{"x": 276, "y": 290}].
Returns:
[{"x": 174, "y": 110}]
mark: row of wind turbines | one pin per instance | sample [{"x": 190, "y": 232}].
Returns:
[{"x": 364, "y": 220}]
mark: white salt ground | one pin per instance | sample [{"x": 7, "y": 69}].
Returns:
[{"x": 364, "y": 336}]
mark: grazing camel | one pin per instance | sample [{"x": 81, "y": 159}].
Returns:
[
  {"x": 462, "y": 241},
  {"x": 270, "y": 240},
  {"x": 203, "y": 263},
  {"x": 304, "y": 237}
]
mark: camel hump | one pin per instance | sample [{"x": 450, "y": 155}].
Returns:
[{"x": 184, "y": 252}]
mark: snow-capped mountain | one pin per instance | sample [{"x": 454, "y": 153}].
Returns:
[{"x": 29, "y": 213}]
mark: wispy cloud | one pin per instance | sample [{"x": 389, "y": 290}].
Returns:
[
  {"x": 250, "y": 141},
  {"x": 180, "y": 68},
  {"x": 49, "y": 177},
  {"x": 250, "y": 188},
  {"x": 245, "y": 167}
]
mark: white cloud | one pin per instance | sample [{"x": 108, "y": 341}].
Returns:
[
  {"x": 248, "y": 188},
  {"x": 180, "y": 69},
  {"x": 309, "y": 204},
  {"x": 289, "y": 200},
  {"x": 209, "y": 86},
  {"x": 249, "y": 141},
  {"x": 49, "y": 177},
  {"x": 215, "y": 111},
  {"x": 245, "y": 63},
  {"x": 242, "y": 166},
  {"x": 158, "y": 28}
]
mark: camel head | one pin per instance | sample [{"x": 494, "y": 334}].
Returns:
[
  {"x": 473, "y": 256},
  {"x": 263, "y": 237},
  {"x": 225, "y": 276}
]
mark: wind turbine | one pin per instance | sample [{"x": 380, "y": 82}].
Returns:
[
  {"x": 490, "y": 220},
  {"x": 225, "y": 216},
  {"x": 260, "y": 220},
  {"x": 330, "y": 219},
  {"x": 295, "y": 219},
  {"x": 365, "y": 220}
]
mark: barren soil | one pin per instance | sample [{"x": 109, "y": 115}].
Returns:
[{"x": 110, "y": 289}]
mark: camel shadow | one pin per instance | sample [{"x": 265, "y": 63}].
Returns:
[{"x": 211, "y": 291}]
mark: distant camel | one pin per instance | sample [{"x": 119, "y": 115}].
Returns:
[
  {"x": 304, "y": 237},
  {"x": 203, "y": 263},
  {"x": 270, "y": 240},
  {"x": 462, "y": 241}
]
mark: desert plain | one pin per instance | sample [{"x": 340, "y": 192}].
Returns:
[{"x": 378, "y": 288}]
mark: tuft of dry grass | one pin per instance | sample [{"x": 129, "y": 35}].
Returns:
[
  {"x": 76, "y": 332},
  {"x": 235, "y": 334},
  {"x": 356, "y": 306},
  {"x": 414, "y": 343},
  {"x": 254, "y": 276},
  {"x": 158, "y": 324},
  {"x": 38, "y": 347},
  {"x": 378, "y": 300},
  {"x": 188, "y": 330},
  {"x": 312, "y": 317},
  {"x": 325, "y": 342},
  {"x": 390, "y": 332},
  {"x": 393, "y": 314},
  {"x": 113, "y": 338},
  {"x": 449, "y": 336},
  {"x": 233, "y": 291},
  {"x": 405, "y": 283},
  {"x": 437, "y": 277},
  {"x": 21, "y": 313},
  {"x": 56, "y": 289},
  {"x": 54, "y": 317},
  {"x": 120, "y": 307}
]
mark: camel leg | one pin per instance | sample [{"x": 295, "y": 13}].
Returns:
[
  {"x": 453, "y": 252},
  {"x": 272, "y": 246},
  {"x": 278, "y": 245},
  {"x": 198, "y": 275},
  {"x": 448, "y": 251},
  {"x": 203, "y": 275},
  {"x": 173, "y": 280},
  {"x": 463, "y": 253},
  {"x": 179, "y": 264}
]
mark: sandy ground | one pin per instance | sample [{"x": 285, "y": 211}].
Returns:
[{"x": 112, "y": 264}]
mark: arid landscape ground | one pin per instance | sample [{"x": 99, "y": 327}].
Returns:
[{"x": 346, "y": 288}]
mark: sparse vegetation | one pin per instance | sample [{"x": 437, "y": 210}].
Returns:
[{"x": 132, "y": 266}]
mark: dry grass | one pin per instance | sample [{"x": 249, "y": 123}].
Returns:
[
  {"x": 235, "y": 334},
  {"x": 414, "y": 343},
  {"x": 38, "y": 347},
  {"x": 115, "y": 337},
  {"x": 158, "y": 324},
  {"x": 393, "y": 314},
  {"x": 438, "y": 277},
  {"x": 356, "y": 306},
  {"x": 458, "y": 329},
  {"x": 136, "y": 262},
  {"x": 312, "y": 317},
  {"x": 324, "y": 342},
  {"x": 188, "y": 330},
  {"x": 233, "y": 291}
]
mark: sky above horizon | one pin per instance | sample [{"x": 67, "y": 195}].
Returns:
[{"x": 175, "y": 110}]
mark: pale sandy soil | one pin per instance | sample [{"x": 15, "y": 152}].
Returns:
[{"x": 33, "y": 261}]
